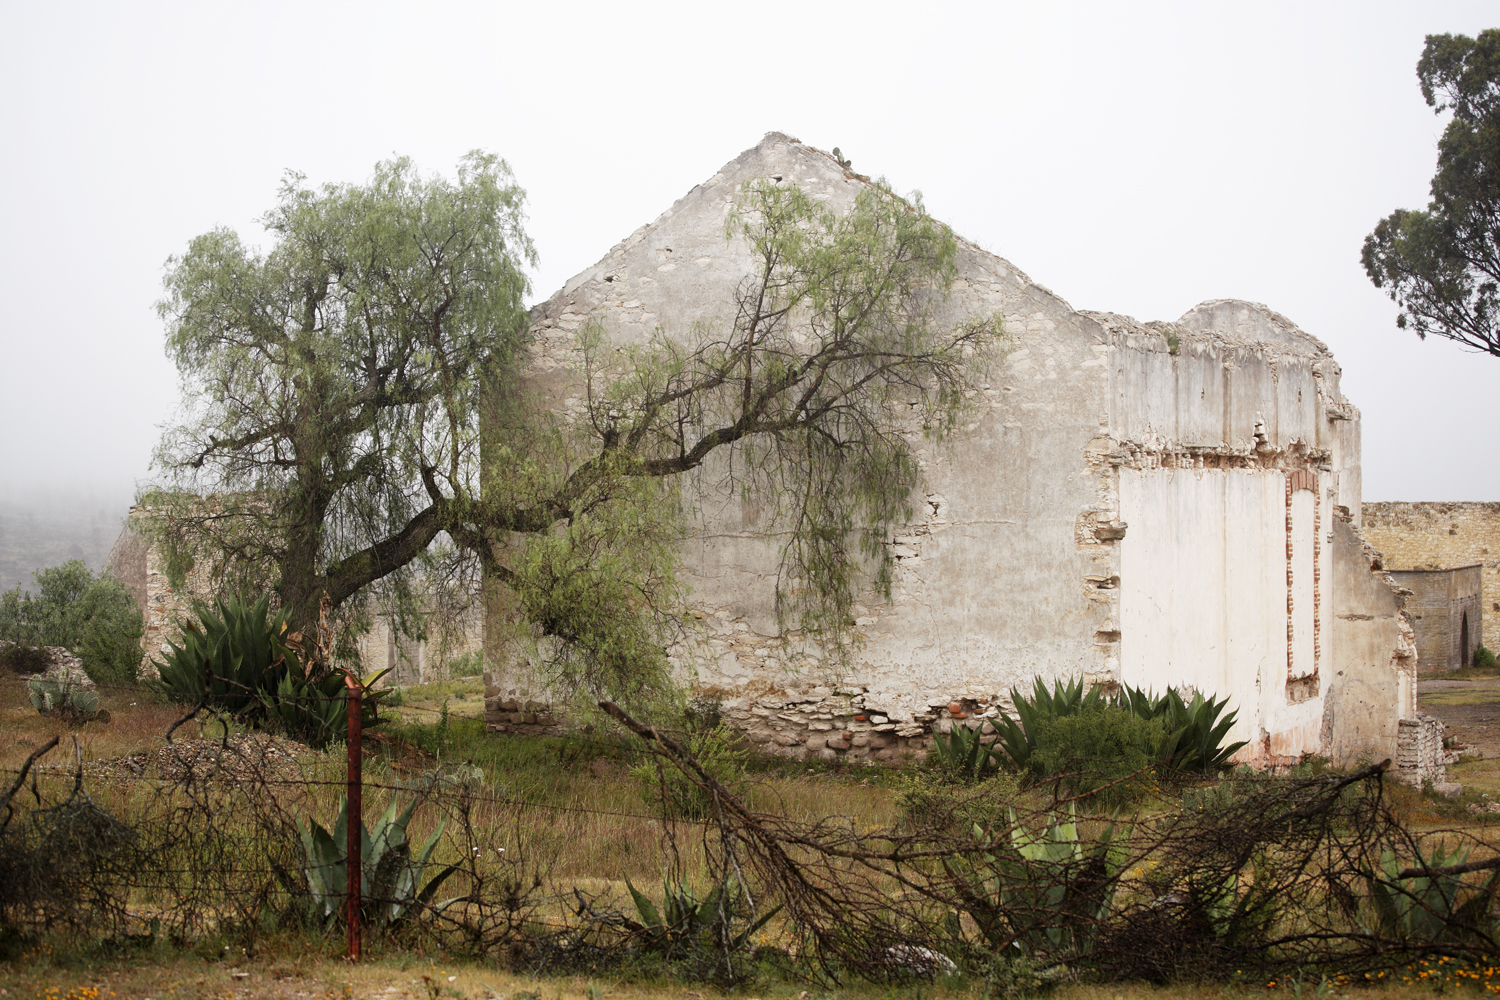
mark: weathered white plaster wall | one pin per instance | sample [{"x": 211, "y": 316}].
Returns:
[
  {"x": 1374, "y": 641},
  {"x": 1203, "y": 596},
  {"x": 1118, "y": 507}
]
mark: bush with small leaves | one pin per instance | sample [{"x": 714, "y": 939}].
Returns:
[
  {"x": 716, "y": 750},
  {"x": 1107, "y": 753}
]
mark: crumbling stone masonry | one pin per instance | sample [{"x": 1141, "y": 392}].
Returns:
[
  {"x": 1419, "y": 754},
  {"x": 1158, "y": 504}
]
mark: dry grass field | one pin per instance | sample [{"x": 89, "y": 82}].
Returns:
[{"x": 579, "y": 816}]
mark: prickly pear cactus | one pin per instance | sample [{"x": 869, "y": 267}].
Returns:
[
  {"x": 45, "y": 695},
  {"x": 50, "y": 696}
]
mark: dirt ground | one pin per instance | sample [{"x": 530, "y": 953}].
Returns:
[{"x": 1470, "y": 709}]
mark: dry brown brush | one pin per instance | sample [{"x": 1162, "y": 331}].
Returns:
[{"x": 1247, "y": 875}]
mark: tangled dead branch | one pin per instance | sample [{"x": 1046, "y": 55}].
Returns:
[{"x": 1246, "y": 875}]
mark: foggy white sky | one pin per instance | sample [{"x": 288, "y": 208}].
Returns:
[{"x": 1132, "y": 157}]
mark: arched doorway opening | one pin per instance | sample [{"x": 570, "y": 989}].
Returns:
[{"x": 1463, "y": 638}]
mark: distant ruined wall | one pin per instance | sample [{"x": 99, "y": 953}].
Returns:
[
  {"x": 1447, "y": 612},
  {"x": 1433, "y": 535},
  {"x": 127, "y": 563},
  {"x": 165, "y": 608}
]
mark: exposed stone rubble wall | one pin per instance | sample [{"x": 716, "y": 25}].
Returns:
[
  {"x": 1431, "y": 535},
  {"x": 820, "y": 722},
  {"x": 504, "y": 712},
  {"x": 1419, "y": 755}
]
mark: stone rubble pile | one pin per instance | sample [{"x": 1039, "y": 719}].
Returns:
[{"x": 821, "y": 722}]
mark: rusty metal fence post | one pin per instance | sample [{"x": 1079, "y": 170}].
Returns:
[{"x": 355, "y": 812}]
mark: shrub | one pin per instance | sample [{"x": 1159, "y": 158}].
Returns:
[
  {"x": 1106, "y": 752},
  {"x": 471, "y": 664},
  {"x": 929, "y": 803},
  {"x": 716, "y": 750},
  {"x": 1485, "y": 658},
  {"x": 94, "y": 616},
  {"x": 24, "y": 659}
]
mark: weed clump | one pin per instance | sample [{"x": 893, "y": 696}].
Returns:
[
  {"x": 718, "y": 751},
  {"x": 24, "y": 660}
]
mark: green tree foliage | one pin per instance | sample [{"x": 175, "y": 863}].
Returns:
[
  {"x": 330, "y": 383},
  {"x": 335, "y": 387},
  {"x": 839, "y": 353},
  {"x": 1442, "y": 265},
  {"x": 95, "y": 617},
  {"x": 718, "y": 751}
]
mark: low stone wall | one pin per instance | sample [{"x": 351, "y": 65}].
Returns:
[
  {"x": 824, "y": 723},
  {"x": 1419, "y": 751}
]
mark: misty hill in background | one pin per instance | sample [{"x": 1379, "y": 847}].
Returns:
[{"x": 44, "y": 526}]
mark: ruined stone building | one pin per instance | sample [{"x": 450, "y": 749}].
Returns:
[
  {"x": 140, "y": 565},
  {"x": 1156, "y": 504},
  {"x": 1448, "y": 556}
]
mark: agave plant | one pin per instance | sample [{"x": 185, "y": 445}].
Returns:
[
  {"x": 1018, "y": 738},
  {"x": 391, "y": 886},
  {"x": 315, "y": 710},
  {"x": 1044, "y": 892},
  {"x": 1428, "y": 909},
  {"x": 244, "y": 661},
  {"x": 963, "y": 754},
  {"x": 228, "y": 658},
  {"x": 1197, "y": 728},
  {"x": 685, "y": 923}
]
